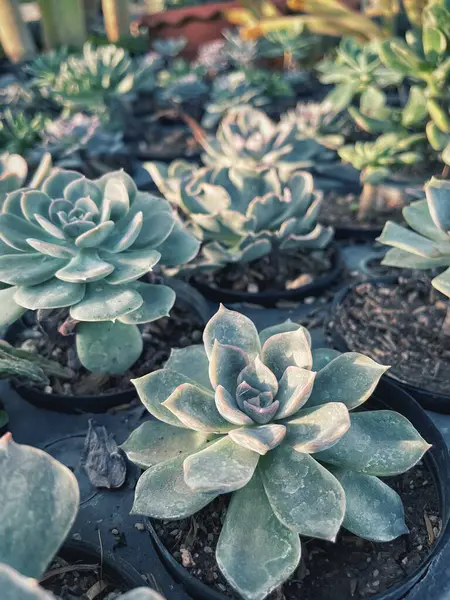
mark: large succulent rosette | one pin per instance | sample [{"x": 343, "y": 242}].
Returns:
[{"x": 263, "y": 416}]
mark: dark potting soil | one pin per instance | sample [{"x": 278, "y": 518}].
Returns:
[
  {"x": 85, "y": 581},
  {"x": 285, "y": 271},
  {"x": 181, "y": 329},
  {"x": 341, "y": 211},
  {"x": 399, "y": 325},
  {"x": 351, "y": 568}
]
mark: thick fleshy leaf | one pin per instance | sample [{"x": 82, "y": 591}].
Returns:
[
  {"x": 124, "y": 178},
  {"x": 179, "y": 247},
  {"x": 28, "y": 269},
  {"x": 399, "y": 237},
  {"x": 83, "y": 188},
  {"x": 196, "y": 409},
  {"x": 221, "y": 467},
  {"x": 84, "y": 267},
  {"x": 255, "y": 552},
  {"x": 103, "y": 302},
  {"x": 107, "y": 347},
  {"x": 294, "y": 390},
  {"x": 226, "y": 363},
  {"x": 442, "y": 283},
  {"x": 15, "y": 232},
  {"x": 94, "y": 237},
  {"x": 289, "y": 349},
  {"x": 117, "y": 196},
  {"x": 304, "y": 495},
  {"x": 258, "y": 376},
  {"x": 259, "y": 439},
  {"x": 49, "y": 229},
  {"x": 33, "y": 202},
  {"x": 157, "y": 303},
  {"x": 162, "y": 493},
  {"x": 232, "y": 329},
  {"x": 50, "y": 294},
  {"x": 284, "y": 327},
  {"x": 29, "y": 475},
  {"x": 405, "y": 260},
  {"x": 55, "y": 184},
  {"x": 129, "y": 266},
  {"x": 227, "y": 407},
  {"x": 10, "y": 311},
  {"x": 125, "y": 234},
  {"x": 350, "y": 378},
  {"x": 317, "y": 428},
  {"x": 323, "y": 356},
  {"x": 373, "y": 511},
  {"x": 438, "y": 198},
  {"x": 192, "y": 362},
  {"x": 381, "y": 442},
  {"x": 156, "y": 228},
  {"x": 54, "y": 250},
  {"x": 15, "y": 586},
  {"x": 155, "y": 442},
  {"x": 417, "y": 215}
]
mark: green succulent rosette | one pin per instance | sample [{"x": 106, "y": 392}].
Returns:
[{"x": 264, "y": 417}]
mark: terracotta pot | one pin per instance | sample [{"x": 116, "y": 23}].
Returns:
[{"x": 199, "y": 24}]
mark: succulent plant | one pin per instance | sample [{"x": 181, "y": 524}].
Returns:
[
  {"x": 181, "y": 82},
  {"x": 13, "y": 172},
  {"x": 265, "y": 417},
  {"x": 316, "y": 120},
  {"x": 295, "y": 44},
  {"x": 240, "y": 53},
  {"x": 356, "y": 71},
  {"x": 15, "y": 94},
  {"x": 426, "y": 244},
  {"x": 19, "y": 133},
  {"x": 20, "y": 364},
  {"x": 424, "y": 58},
  {"x": 44, "y": 69},
  {"x": 377, "y": 160},
  {"x": 240, "y": 220},
  {"x": 83, "y": 245},
  {"x": 36, "y": 523},
  {"x": 170, "y": 47}
]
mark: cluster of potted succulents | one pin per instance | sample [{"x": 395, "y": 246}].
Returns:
[{"x": 171, "y": 225}]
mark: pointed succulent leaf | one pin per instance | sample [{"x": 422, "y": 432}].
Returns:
[
  {"x": 289, "y": 349},
  {"x": 323, "y": 356},
  {"x": 192, "y": 362},
  {"x": 260, "y": 439},
  {"x": 179, "y": 247},
  {"x": 255, "y": 552},
  {"x": 26, "y": 473},
  {"x": 53, "y": 293},
  {"x": 15, "y": 586},
  {"x": 86, "y": 266},
  {"x": 221, "y": 467},
  {"x": 438, "y": 198},
  {"x": 284, "y": 327},
  {"x": 15, "y": 231},
  {"x": 55, "y": 184},
  {"x": 107, "y": 347},
  {"x": 196, "y": 409},
  {"x": 418, "y": 217},
  {"x": 373, "y": 511},
  {"x": 10, "y": 311},
  {"x": 162, "y": 493},
  {"x": 131, "y": 265},
  {"x": 226, "y": 363},
  {"x": 158, "y": 300},
  {"x": 350, "y": 378},
  {"x": 442, "y": 283},
  {"x": 405, "y": 239},
  {"x": 318, "y": 428},
  {"x": 28, "y": 269},
  {"x": 258, "y": 376},
  {"x": 305, "y": 496},
  {"x": 155, "y": 442},
  {"x": 96, "y": 236},
  {"x": 233, "y": 329},
  {"x": 294, "y": 390},
  {"x": 404, "y": 260},
  {"x": 81, "y": 188},
  {"x": 103, "y": 302},
  {"x": 228, "y": 408},
  {"x": 54, "y": 250},
  {"x": 32, "y": 202},
  {"x": 381, "y": 443}
]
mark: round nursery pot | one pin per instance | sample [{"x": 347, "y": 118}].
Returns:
[
  {"x": 430, "y": 400},
  {"x": 187, "y": 298},
  {"x": 114, "y": 570},
  {"x": 271, "y": 297},
  {"x": 386, "y": 396},
  {"x": 198, "y": 24}
]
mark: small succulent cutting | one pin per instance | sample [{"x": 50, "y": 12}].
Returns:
[
  {"x": 83, "y": 246},
  {"x": 39, "y": 498},
  {"x": 426, "y": 244},
  {"x": 377, "y": 161},
  {"x": 241, "y": 219},
  {"x": 267, "y": 419}
]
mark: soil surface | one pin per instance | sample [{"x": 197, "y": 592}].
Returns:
[
  {"x": 399, "y": 325},
  {"x": 341, "y": 211},
  {"x": 287, "y": 271},
  {"x": 350, "y": 568},
  {"x": 85, "y": 581},
  {"x": 181, "y": 329}
]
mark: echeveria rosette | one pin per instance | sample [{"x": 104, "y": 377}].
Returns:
[
  {"x": 263, "y": 416},
  {"x": 426, "y": 245},
  {"x": 243, "y": 216},
  {"x": 84, "y": 245}
]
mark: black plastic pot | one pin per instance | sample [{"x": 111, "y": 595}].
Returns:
[
  {"x": 117, "y": 570},
  {"x": 357, "y": 233},
  {"x": 271, "y": 297},
  {"x": 437, "y": 460},
  {"x": 434, "y": 401}
]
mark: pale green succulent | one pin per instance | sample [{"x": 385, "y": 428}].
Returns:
[
  {"x": 426, "y": 245},
  {"x": 248, "y": 140},
  {"x": 265, "y": 417},
  {"x": 13, "y": 172},
  {"x": 356, "y": 72},
  {"x": 241, "y": 219},
  {"x": 171, "y": 47},
  {"x": 36, "y": 523},
  {"x": 84, "y": 245},
  {"x": 296, "y": 42}
]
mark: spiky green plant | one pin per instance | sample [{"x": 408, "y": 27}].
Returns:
[
  {"x": 376, "y": 161},
  {"x": 264, "y": 417},
  {"x": 19, "y": 133},
  {"x": 356, "y": 71},
  {"x": 84, "y": 245},
  {"x": 243, "y": 219}
]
